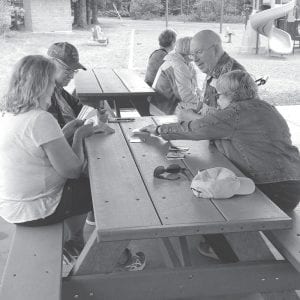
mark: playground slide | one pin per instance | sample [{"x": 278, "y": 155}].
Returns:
[{"x": 279, "y": 40}]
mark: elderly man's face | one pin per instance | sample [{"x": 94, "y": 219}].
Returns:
[
  {"x": 64, "y": 74},
  {"x": 204, "y": 55}
]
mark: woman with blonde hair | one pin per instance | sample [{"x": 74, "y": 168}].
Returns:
[{"x": 40, "y": 172}]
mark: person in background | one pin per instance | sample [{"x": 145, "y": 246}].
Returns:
[
  {"x": 176, "y": 82},
  {"x": 40, "y": 172},
  {"x": 210, "y": 57},
  {"x": 166, "y": 40},
  {"x": 253, "y": 135}
]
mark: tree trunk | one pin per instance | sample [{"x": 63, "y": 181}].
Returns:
[
  {"x": 94, "y": 6},
  {"x": 82, "y": 14},
  {"x": 76, "y": 13},
  {"x": 88, "y": 12},
  {"x": 5, "y": 18}
]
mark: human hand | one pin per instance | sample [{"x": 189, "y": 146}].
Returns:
[
  {"x": 85, "y": 131},
  {"x": 103, "y": 127},
  {"x": 102, "y": 115},
  {"x": 187, "y": 115},
  {"x": 70, "y": 128},
  {"x": 150, "y": 129}
]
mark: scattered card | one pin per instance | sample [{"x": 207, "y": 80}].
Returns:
[
  {"x": 136, "y": 140},
  {"x": 178, "y": 149},
  {"x": 175, "y": 155}
]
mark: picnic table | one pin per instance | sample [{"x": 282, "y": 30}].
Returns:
[
  {"x": 130, "y": 204},
  {"x": 118, "y": 85}
]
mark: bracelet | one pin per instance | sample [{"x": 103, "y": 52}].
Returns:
[{"x": 156, "y": 130}]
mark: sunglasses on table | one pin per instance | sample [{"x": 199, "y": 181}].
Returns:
[{"x": 171, "y": 169}]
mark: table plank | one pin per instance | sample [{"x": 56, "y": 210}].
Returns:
[
  {"x": 119, "y": 196},
  {"x": 173, "y": 199},
  {"x": 87, "y": 84},
  {"x": 255, "y": 209},
  {"x": 110, "y": 83},
  {"x": 133, "y": 82}
]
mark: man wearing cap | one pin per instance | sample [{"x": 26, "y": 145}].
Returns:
[
  {"x": 64, "y": 107},
  {"x": 175, "y": 82}
]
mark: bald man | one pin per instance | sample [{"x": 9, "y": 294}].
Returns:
[{"x": 211, "y": 59}]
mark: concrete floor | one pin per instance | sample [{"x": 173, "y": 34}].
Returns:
[{"x": 152, "y": 251}]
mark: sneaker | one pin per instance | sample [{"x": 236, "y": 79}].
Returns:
[
  {"x": 90, "y": 219},
  {"x": 68, "y": 263},
  {"x": 73, "y": 248},
  {"x": 206, "y": 250},
  {"x": 137, "y": 262}
]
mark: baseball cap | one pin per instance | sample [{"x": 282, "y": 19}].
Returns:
[
  {"x": 67, "y": 53},
  {"x": 220, "y": 183}
]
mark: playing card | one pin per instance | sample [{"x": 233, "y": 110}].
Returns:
[
  {"x": 178, "y": 149},
  {"x": 136, "y": 140},
  {"x": 175, "y": 155}
]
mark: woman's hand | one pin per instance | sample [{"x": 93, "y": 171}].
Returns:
[
  {"x": 103, "y": 127},
  {"x": 102, "y": 115},
  {"x": 151, "y": 129},
  {"x": 187, "y": 115},
  {"x": 70, "y": 128},
  {"x": 85, "y": 131}
]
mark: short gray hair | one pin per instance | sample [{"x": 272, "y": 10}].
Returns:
[{"x": 238, "y": 85}]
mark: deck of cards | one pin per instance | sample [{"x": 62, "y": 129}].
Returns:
[{"x": 176, "y": 152}]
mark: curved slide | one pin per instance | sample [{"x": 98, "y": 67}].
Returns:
[{"x": 279, "y": 40}]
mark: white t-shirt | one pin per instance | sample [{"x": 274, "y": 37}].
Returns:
[{"x": 30, "y": 188}]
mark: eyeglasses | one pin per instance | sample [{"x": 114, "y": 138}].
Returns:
[
  {"x": 67, "y": 69},
  {"x": 171, "y": 169},
  {"x": 200, "y": 51}
]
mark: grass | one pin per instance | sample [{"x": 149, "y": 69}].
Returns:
[{"x": 283, "y": 87}]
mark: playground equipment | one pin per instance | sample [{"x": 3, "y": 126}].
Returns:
[
  {"x": 99, "y": 36},
  {"x": 280, "y": 41}
]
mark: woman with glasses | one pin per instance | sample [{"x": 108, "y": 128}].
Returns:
[
  {"x": 254, "y": 136},
  {"x": 176, "y": 82},
  {"x": 251, "y": 133}
]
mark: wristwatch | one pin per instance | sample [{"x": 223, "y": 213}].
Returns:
[{"x": 157, "y": 130}]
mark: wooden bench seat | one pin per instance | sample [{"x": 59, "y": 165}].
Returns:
[
  {"x": 34, "y": 266},
  {"x": 287, "y": 241}
]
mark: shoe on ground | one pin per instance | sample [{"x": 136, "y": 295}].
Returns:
[
  {"x": 68, "y": 263},
  {"x": 73, "y": 248},
  {"x": 136, "y": 262},
  {"x": 206, "y": 250},
  {"x": 90, "y": 219}
]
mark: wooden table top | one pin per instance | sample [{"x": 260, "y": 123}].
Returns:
[
  {"x": 110, "y": 83},
  {"x": 129, "y": 203}
]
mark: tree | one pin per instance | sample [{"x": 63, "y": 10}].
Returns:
[
  {"x": 94, "y": 7},
  {"x": 5, "y": 18},
  {"x": 82, "y": 15}
]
